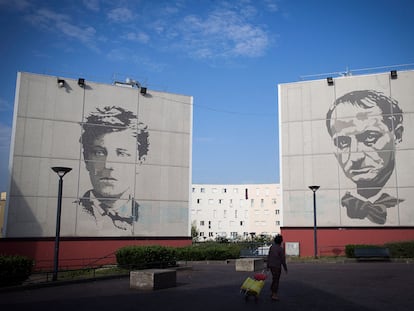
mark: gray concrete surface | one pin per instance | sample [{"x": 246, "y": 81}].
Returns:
[{"x": 307, "y": 286}]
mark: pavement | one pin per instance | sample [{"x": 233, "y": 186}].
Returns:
[{"x": 215, "y": 286}]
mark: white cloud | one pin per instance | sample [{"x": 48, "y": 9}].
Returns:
[
  {"x": 121, "y": 15},
  {"x": 48, "y": 19},
  {"x": 92, "y": 5},
  {"x": 225, "y": 33},
  {"x": 137, "y": 37},
  {"x": 272, "y": 5},
  {"x": 5, "y": 134},
  {"x": 19, "y": 5}
]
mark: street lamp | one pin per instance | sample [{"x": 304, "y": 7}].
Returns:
[
  {"x": 60, "y": 171},
  {"x": 315, "y": 241}
]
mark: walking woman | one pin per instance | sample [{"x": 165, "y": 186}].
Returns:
[{"x": 275, "y": 261}]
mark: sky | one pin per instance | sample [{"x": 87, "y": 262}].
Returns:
[{"x": 229, "y": 55}]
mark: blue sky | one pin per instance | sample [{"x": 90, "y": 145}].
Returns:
[{"x": 228, "y": 55}]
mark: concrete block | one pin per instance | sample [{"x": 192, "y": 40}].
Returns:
[
  {"x": 249, "y": 264},
  {"x": 151, "y": 279}
]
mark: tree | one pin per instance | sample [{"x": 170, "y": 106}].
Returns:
[{"x": 194, "y": 231}]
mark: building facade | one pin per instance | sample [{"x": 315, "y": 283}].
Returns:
[
  {"x": 354, "y": 137},
  {"x": 128, "y": 149},
  {"x": 235, "y": 212}
]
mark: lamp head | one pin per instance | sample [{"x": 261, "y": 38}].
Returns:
[
  {"x": 61, "y": 82},
  {"x": 61, "y": 171},
  {"x": 314, "y": 188},
  {"x": 81, "y": 82}
]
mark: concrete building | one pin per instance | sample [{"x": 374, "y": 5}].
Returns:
[
  {"x": 352, "y": 136},
  {"x": 128, "y": 149},
  {"x": 235, "y": 211},
  {"x": 2, "y": 208}
]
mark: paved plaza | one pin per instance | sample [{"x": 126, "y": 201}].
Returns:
[{"x": 216, "y": 286}]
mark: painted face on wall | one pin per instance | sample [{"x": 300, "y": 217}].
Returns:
[
  {"x": 108, "y": 156},
  {"x": 364, "y": 144}
]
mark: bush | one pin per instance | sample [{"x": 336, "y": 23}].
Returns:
[
  {"x": 397, "y": 249},
  {"x": 209, "y": 251},
  {"x": 145, "y": 257},
  {"x": 401, "y": 249},
  {"x": 14, "y": 270}
]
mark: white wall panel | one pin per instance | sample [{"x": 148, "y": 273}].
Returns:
[
  {"x": 371, "y": 160},
  {"x": 101, "y": 132}
]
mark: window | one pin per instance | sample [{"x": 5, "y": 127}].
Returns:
[
  {"x": 198, "y": 201},
  {"x": 214, "y": 190},
  {"x": 201, "y": 233},
  {"x": 220, "y": 224},
  {"x": 201, "y": 222},
  {"x": 241, "y": 223},
  {"x": 267, "y": 191},
  {"x": 209, "y": 224},
  {"x": 277, "y": 212},
  {"x": 210, "y": 201},
  {"x": 274, "y": 201},
  {"x": 233, "y": 235},
  {"x": 261, "y": 202},
  {"x": 241, "y": 202},
  {"x": 210, "y": 234},
  {"x": 235, "y": 213},
  {"x": 220, "y": 201},
  {"x": 266, "y": 212},
  {"x": 251, "y": 202},
  {"x": 193, "y": 190},
  {"x": 231, "y": 202},
  {"x": 202, "y": 190},
  {"x": 214, "y": 214},
  {"x": 257, "y": 191},
  {"x": 224, "y": 214},
  {"x": 277, "y": 222},
  {"x": 224, "y": 190},
  {"x": 235, "y": 190}
]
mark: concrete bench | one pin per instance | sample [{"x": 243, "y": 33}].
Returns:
[
  {"x": 151, "y": 279},
  {"x": 249, "y": 264},
  {"x": 372, "y": 253}
]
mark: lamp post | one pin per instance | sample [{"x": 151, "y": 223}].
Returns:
[
  {"x": 315, "y": 240},
  {"x": 60, "y": 171}
]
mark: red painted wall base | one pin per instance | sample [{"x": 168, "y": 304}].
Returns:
[
  {"x": 332, "y": 241},
  {"x": 79, "y": 252}
]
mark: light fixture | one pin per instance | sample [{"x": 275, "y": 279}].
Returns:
[
  {"x": 394, "y": 74},
  {"x": 143, "y": 90},
  {"x": 330, "y": 80},
  {"x": 81, "y": 82},
  {"x": 315, "y": 239},
  {"x": 60, "y": 171},
  {"x": 60, "y": 82}
]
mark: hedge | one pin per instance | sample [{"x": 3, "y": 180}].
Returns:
[{"x": 14, "y": 270}]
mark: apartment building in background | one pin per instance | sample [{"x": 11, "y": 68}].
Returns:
[{"x": 235, "y": 212}]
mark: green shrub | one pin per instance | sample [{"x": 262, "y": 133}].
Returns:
[
  {"x": 144, "y": 257},
  {"x": 14, "y": 270},
  {"x": 397, "y": 249},
  {"x": 209, "y": 251},
  {"x": 401, "y": 249}
]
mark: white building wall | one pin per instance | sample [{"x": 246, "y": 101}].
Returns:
[
  {"x": 360, "y": 154},
  {"x": 235, "y": 211}
]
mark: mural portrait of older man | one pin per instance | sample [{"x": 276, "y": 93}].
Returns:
[{"x": 365, "y": 127}]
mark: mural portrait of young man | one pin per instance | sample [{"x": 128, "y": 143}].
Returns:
[
  {"x": 113, "y": 142},
  {"x": 365, "y": 127}
]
